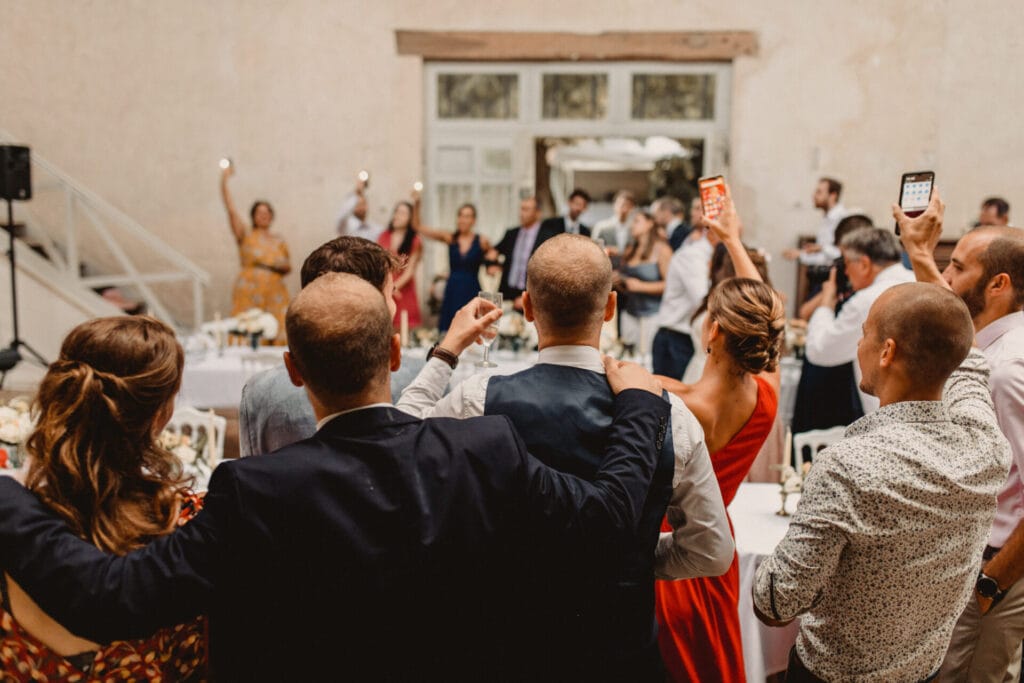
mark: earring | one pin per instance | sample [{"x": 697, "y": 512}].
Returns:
[{"x": 708, "y": 350}]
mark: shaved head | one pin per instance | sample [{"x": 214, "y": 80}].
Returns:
[
  {"x": 930, "y": 325},
  {"x": 339, "y": 332},
  {"x": 569, "y": 279}
]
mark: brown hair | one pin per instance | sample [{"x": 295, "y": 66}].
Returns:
[
  {"x": 569, "y": 279},
  {"x": 1005, "y": 254},
  {"x": 931, "y": 326},
  {"x": 650, "y": 241},
  {"x": 95, "y": 457},
  {"x": 723, "y": 268},
  {"x": 753, "y": 318},
  {"x": 339, "y": 331},
  {"x": 354, "y": 255}
]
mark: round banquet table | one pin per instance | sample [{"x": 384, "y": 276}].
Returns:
[{"x": 758, "y": 530}]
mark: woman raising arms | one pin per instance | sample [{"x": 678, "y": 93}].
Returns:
[
  {"x": 466, "y": 251},
  {"x": 264, "y": 258},
  {"x": 400, "y": 238},
  {"x": 735, "y": 401}
]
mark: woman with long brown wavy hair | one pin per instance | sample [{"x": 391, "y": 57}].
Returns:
[{"x": 96, "y": 460}]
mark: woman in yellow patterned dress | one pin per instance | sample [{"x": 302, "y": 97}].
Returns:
[{"x": 264, "y": 258}]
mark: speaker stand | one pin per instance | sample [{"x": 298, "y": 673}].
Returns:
[{"x": 11, "y": 356}]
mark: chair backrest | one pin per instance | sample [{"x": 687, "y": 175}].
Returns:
[
  {"x": 197, "y": 421},
  {"x": 815, "y": 439}
]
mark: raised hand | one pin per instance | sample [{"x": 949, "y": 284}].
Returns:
[
  {"x": 728, "y": 226},
  {"x": 921, "y": 233},
  {"x": 466, "y": 327}
]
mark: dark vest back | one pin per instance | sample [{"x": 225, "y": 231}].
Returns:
[{"x": 564, "y": 415}]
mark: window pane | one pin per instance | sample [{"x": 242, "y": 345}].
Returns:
[
  {"x": 477, "y": 96},
  {"x": 673, "y": 96},
  {"x": 575, "y": 96}
]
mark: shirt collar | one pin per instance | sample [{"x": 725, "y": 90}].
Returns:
[
  {"x": 890, "y": 273},
  {"x": 530, "y": 228},
  {"x": 837, "y": 211},
  {"x": 997, "y": 328},
  {"x": 321, "y": 423},
  {"x": 899, "y": 413},
  {"x": 573, "y": 355},
  {"x": 673, "y": 224}
]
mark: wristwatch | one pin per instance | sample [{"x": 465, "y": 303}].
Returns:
[
  {"x": 437, "y": 351},
  {"x": 987, "y": 587}
]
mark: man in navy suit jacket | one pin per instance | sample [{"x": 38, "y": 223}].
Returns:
[
  {"x": 570, "y": 222},
  {"x": 382, "y": 548},
  {"x": 516, "y": 248}
]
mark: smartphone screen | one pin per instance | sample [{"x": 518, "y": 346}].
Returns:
[
  {"x": 915, "y": 193},
  {"x": 712, "y": 195}
]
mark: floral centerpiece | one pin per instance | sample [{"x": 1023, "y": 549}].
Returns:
[
  {"x": 255, "y": 324},
  {"x": 516, "y": 332},
  {"x": 790, "y": 481},
  {"x": 191, "y": 456},
  {"x": 796, "y": 336},
  {"x": 16, "y": 424}
]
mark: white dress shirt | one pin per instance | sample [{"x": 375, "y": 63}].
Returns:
[
  {"x": 348, "y": 224},
  {"x": 825, "y": 237},
  {"x": 832, "y": 339},
  {"x": 686, "y": 284},
  {"x": 611, "y": 227},
  {"x": 701, "y": 546},
  {"x": 1002, "y": 342},
  {"x": 883, "y": 552}
]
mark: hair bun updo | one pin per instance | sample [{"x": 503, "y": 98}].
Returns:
[{"x": 753, "y": 318}]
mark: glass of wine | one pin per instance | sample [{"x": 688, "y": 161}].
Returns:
[{"x": 491, "y": 333}]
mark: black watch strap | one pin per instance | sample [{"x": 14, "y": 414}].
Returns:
[
  {"x": 988, "y": 587},
  {"x": 444, "y": 354}
]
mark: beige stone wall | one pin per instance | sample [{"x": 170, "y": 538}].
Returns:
[{"x": 139, "y": 100}]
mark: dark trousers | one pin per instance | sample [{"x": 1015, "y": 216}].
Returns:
[
  {"x": 796, "y": 672},
  {"x": 671, "y": 352}
]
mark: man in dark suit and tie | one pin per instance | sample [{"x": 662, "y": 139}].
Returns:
[
  {"x": 570, "y": 222},
  {"x": 382, "y": 548},
  {"x": 516, "y": 248}
]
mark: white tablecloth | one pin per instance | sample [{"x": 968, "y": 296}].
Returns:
[
  {"x": 758, "y": 530},
  {"x": 215, "y": 380}
]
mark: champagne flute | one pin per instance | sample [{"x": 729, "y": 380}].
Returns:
[{"x": 491, "y": 333}]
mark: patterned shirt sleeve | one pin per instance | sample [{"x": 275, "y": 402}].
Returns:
[{"x": 789, "y": 581}]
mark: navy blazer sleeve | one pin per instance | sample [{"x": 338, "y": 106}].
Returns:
[
  {"x": 607, "y": 508},
  {"x": 103, "y": 597}
]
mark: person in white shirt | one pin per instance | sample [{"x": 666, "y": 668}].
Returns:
[
  {"x": 614, "y": 232},
  {"x": 352, "y": 218},
  {"x": 560, "y": 408},
  {"x": 987, "y": 271},
  {"x": 872, "y": 263},
  {"x": 686, "y": 285},
  {"x": 823, "y": 251}
]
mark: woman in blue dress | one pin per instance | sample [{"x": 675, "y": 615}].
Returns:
[{"x": 466, "y": 252}]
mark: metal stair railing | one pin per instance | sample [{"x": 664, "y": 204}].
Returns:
[{"x": 63, "y": 246}]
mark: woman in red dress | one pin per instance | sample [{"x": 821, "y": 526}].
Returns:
[
  {"x": 735, "y": 401},
  {"x": 96, "y": 461},
  {"x": 401, "y": 239}
]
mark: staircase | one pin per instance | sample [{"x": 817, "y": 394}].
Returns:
[{"x": 90, "y": 245}]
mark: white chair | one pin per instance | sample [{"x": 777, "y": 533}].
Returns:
[
  {"x": 815, "y": 439},
  {"x": 191, "y": 421}
]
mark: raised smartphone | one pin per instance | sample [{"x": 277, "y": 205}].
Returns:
[
  {"x": 712, "y": 195},
  {"x": 915, "y": 193}
]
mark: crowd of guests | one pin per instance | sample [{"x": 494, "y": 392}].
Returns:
[{"x": 566, "y": 522}]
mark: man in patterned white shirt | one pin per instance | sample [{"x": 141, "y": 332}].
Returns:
[
  {"x": 987, "y": 271},
  {"x": 883, "y": 550}
]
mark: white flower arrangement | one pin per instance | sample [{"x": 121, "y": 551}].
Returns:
[
  {"x": 513, "y": 327},
  {"x": 193, "y": 463},
  {"x": 256, "y": 322},
  {"x": 16, "y": 424},
  {"x": 790, "y": 481}
]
